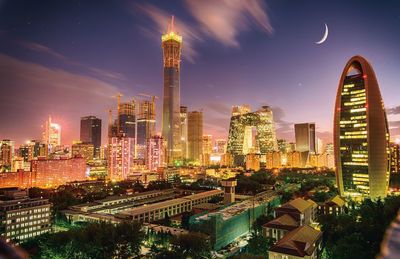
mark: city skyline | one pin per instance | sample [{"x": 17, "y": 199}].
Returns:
[{"x": 87, "y": 80}]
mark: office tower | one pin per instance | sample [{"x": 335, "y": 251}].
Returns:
[
  {"x": 22, "y": 218},
  {"x": 121, "y": 151},
  {"x": 85, "y": 150},
  {"x": 207, "y": 144},
  {"x": 32, "y": 149},
  {"x": 195, "y": 136},
  {"x": 394, "y": 158},
  {"x": 305, "y": 137},
  {"x": 155, "y": 153},
  {"x": 361, "y": 136},
  {"x": 293, "y": 159},
  {"x": 283, "y": 146},
  {"x": 305, "y": 141},
  {"x": 240, "y": 109},
  {"x": 91, "y": 133},
  {"x": 51, "y": 134},
  {"x": 329, "y": 149},
  {"x": 319, "y": 147},
  {"x": 220, "y": 145},
  {"x": 273, "y": 160},
  {"x": 127, "y": 119},
  {"x": 171, "y": 132},
  {"x": 207, "y": 150},
  {"x": 146, "y": 122},
  {"x": 253, "y": 162},
  {"x": 6, "y": 153},
  {"x": 243, "y": 122},
  {"x": 184, "y": 131}
]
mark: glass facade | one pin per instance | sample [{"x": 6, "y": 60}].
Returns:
[
  {"x": 262, "y": 121},
  {"x": 361, "y": 135},
  {"x": 353, "y": 135}
]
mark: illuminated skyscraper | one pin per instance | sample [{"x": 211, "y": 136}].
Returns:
[
  {"x": 85, "y": 150},
  {"x": 184, "y": 132},
  {"x": 243, "y": 121},
  {"x": 121, "y": 151},
  {"x": 171, "y": 131},
  {"x": 52, "y": 134},
  {"x": 6, "y": 153},
  {"x": 195, "y": 135},
  {"x": 155, "y": 157},
  {"x": 220, "y": 146},
  {"x": 207, "y": 144},
  {"x": 91, "y": 133},
  {"x": 146, "y": 122},
  {"x": 394, "y": 158},
  {"x": 146, "y": 125},
  {"x": 361, "y": 136},
  {"x": 305, "y": 140},
  {"x": 127, "y": 119}
]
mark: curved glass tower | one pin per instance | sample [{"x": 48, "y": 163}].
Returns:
[
  {"x": 361, "y": 136},
  {"x": 171, "y": 127}
]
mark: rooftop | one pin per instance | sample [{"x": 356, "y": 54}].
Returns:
[
  {"x": 299, "y": 242},
  {"x": 299, "y": 204},
  {"x": 283, "y": 222},
  {"x": 238, "y": 208},
  {"x": 164, "y": 204}
]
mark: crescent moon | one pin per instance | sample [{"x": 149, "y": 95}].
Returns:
[{"x": 325, "y": 36}]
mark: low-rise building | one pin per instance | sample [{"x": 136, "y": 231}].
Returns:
[
  {"x": 173, "y": 207},
  {"x": 21, "y": 217},
  {"x": 279, "y": 227},
  {"x": 303, "y": 211},
  {"x": 303, "y": 242},
  {"x": 332, "y": 206}
]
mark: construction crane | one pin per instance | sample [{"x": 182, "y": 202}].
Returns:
[{"x": 153, "y": 97}]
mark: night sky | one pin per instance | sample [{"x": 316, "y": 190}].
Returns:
[{"x": 69, "y": 58}]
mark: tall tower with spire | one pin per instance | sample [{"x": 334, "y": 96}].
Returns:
[{"x": 171, "y": 132}]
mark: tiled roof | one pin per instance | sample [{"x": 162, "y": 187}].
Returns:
[
  {"x": 298, "y": 204},
  {"x": 299, "y": 242},
  {"x": 285, "y": 222}
]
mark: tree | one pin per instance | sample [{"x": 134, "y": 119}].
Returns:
[
  {"x": 194, "y": 245},
  {"x": 359, "y": 233},
  {"x": 185, "y": 219},
  {"x": 258, "y": 244},
  {"x": 96, "y": 240}
]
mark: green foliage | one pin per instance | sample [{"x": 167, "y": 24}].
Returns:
[
  {"x": 359, "y": 233},
  {"x": 159, "y": 185},
  {"x": 185, "y": 219},
  {"x": 260, "y": 221},
  {"x": 97, "y": 240},
  {"x": 216, "y": 199},
  {"x": 191, "y": 245},
  {"x": 258, "y": 244},
  {"x": 247, "y": 185}
]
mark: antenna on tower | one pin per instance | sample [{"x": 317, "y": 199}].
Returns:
[{"x": 172, "y": 24}]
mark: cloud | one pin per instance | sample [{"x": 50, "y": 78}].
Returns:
[
  {"x": 225, "y": 19},
  {"x": 283, "y": 126},
  {"x": 33, "y": 46},
  {"x": 162, "y": 19},
  {"x": 33, "y": 91},
  {"x": 221, "y": 20},
  {"x": 393, "y": 110},
  {"x": 219, "y": 107}
]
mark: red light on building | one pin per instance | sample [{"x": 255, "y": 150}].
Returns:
[{"x": 364, "y": 76}]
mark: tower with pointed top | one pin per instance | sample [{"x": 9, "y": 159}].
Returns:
[{"x": 171, "y": 132}]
